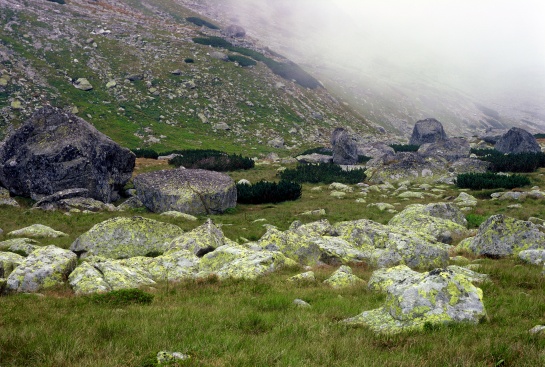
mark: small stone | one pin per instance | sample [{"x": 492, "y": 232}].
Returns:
[
  {"x": 300, "y": 303},
  {"x": 167, "y": 358},
  {"x": 538, "y": 329}
]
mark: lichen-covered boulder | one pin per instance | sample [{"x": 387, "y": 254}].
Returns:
[
  {"x": 441, "y": 210},
  {"x": 390, "y": 246},
  {"x": 471, "y": 275},
  {"x": 416, "y": 218},
  {"x": 449, "y": 149},
  {"x": 535, "y": 257},
  {"x": 464, "y": 200},
  {"x": 296, "y": 246},
  {"x": 44, "y": 268},
  {"x": 107, "y": 275},
  {"x": 382, "y": 279},
  {"x": 124, "y": 237},
  {"x": 8, "y": 262},
  {"x": 517, "y": 140},
  {"x": 55, "y": 150},
  {"x": 201, "y": 240},
  {"x": 427, "y": 131},
  {"x": 306, "y": 277},
  {"x": 37, "y": 231},
  {"x": 172, "y": 267},
  {"x": 190, "y": 191},
  {"x": 501, "y": 236},
  {"x": 241, "y": 263},
  {"x": 20, "y": 245},
  {"x": 313, "y": 229},
  {"x": 179, "y": 215},
  {"x": 439, "y": 296},
  {"x": 404, "y": 166},
  {"x": 342, "y": 278},
  {"x": 337, "y": 251}
]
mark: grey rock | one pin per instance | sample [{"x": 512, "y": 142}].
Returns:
[
  {"x": 427, "y": 131},
  {"x": 54, "y": 151},
  {"x": 131, "y": 203},
  {"x": 450, "y": 149},
  {"x": 234, "y": 30},
  {"x": 300, "y": 303},
  {"x": 83, "y": 84},
  {"x": 219, "y": 56},
  {"x": 37, "y": 231},
  {"x": 201, "y": 240},
  {"x": 535, "y": 257},
  {"x": 23, "y": 246},
  {"x": 5, "y": 199},
  {"x": 168, "y": 358},
  {"x": 276, "y": 143},
  {"x": 190, "y": 191},
  {"x": 44, "y": 268},
  {"x": 8, "y": 262},
  {"x": 517, "y": 140},
  {"x": 314, "y": 158},
  {"x": 345, "y": 149}
]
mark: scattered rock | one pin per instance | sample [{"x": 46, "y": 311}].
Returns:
[
  {"x": 179, "y": 215},
  {"x": 24, "y": 246},
  {"x": 37, "y": 231},
  {"x": 234, "y": 31},
  {"x": 342, "y": 278},
  {"x": 307, "y": 277},
  {"x": 8, "y": 262},
  {"x": 167, "y": 358},
  {"x": 535, "y": 257},
  {"x": 300, "y": 303},
  {"x": 538, "y": 330},
  {"x": 83, "y": 84}
]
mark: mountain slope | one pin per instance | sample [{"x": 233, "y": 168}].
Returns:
[{"x": 145, "y": 90}]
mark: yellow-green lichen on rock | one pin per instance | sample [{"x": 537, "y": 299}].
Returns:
[
  {"x": 123, "y": 237},
  {"x": 501, "y": 236},
  {"x": 8, "y": 262},
  {"x": 437, "y": 297},
  {"x": 172, "y": 267},
  {"x": 46, "y": 267},
  {"x": 201, "y": 240},
  {"x": 239, "y": 262},
  {"x": 298, "y": 247},
  {"x": 343, "y": 278},
  {"x": 37, "y": 231},
  {"x": 23, "y": 246},
  {"x": 306, "y": 277},
  {"x": 87, "y": 279},
  {"x": 418, "y": 218}
]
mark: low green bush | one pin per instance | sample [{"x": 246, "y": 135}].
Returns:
[
  {"x": 123, "y": 297},
  {"x": 325, "y": 173},
  {"x": 490, "y": 180},
  {"x": 58, "y": 1},
  {"x": 539, "y": 136},
  {"x": 201, "y": 22},
  {"x": 210, "y": 159},
  {"x": 318, "y": 150},
  {"x": 242, "y": 61},
  {"x": 145, "y": 153},
  {"x": 475, "y": 220},
  {"x": 189, "y": 60},
  {"x": 405, "y": 147},
  {"x": 213, "y": 41},
  {"x": 268, "y": 192},
  {"x": 521, "y": 162}
]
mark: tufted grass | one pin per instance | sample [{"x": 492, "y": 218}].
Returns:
[{"x": 253, "y": 323}]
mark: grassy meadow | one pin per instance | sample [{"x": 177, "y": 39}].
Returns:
[{"x": 255, "y": 323}]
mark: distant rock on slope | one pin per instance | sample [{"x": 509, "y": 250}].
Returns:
[
  {"x": 345, "y": 149},
  {"x": 427, "y": 131},
  {"x": 54, "y": 151},
  {"x": 517, "y": 140}
]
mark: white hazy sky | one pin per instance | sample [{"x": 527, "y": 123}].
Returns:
[{"x": 486, "y": 39}]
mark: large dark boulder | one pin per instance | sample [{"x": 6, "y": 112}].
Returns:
[
  {"x": 191, "y": 191},
  {"x": 54, "y": 151},
  {"x": 234, "y": 31},
  {"x": 345, "y": 148},
  {"x": 427, "y": 131},
  {"x": 517, "y": 140}
]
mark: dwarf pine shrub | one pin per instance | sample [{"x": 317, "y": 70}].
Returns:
[
  {"x": 201, "y": 22},
  {"x": 123, "y": 297},
  {"x": 405, "y": 147},
  {"x": 268, "y": 192},
  {"x": 318, "y": 150},
  {"x": 242, "y": 61},
  {"x": 490, "y": 180},
  {"x": 520, "y": 162},
  {"x": 325, "y": 173},
  {"x": 210, "y": 159},
  {"x": 145, "y": 153}
]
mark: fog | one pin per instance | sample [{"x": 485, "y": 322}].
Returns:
[{"x": 488, "y": 49}]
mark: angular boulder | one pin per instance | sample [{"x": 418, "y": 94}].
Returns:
[
  {"x": 449, "y": 149},
  {"x": 55, "y": 150},
  {"x": 190, "y": 191},
  {"x": 535, "y": 257},
  {"x": 345, "y": 148},
  {"x": 343, "y": 278},
  {"x": 201, "y": 240},
  {"x": 46, "y": 267},
  {"x": 238, "y": 262},
  {"x": 427, "y": 131},
  {"x": 501, "y": 236},
  {"x": 434, "y": 298},
  {"x": 8, "y": 262},
  {"x": 517, "y": 140},
  {"x": 122, "y": 237}
]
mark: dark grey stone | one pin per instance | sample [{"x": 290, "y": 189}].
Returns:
[
  {"x": 427, "y": 131},
  {"x": 517, "y": 140}
]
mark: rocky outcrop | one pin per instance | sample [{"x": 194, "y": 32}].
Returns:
[
  {"x": 427, "y": 131},
  {"x": 517, "y": 140},
  {"x": 44, "y": 268},
  {"x": 414, "y": 300},
  {"x": 122, "y": 237},
  {"x": 190, "y": 191},
  {"x": 502, "y": 236},
  {"x": 54, "y": 151},
  {"x": 449, "y": 149},
  {"x": 345, "y": 148}
]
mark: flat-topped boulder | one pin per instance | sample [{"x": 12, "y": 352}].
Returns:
[
  {"x": 190, "y": 191},
  {"x": 54, "y": 150},
  {"x": 427, "y": 131}
]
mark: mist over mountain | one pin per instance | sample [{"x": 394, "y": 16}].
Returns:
[{"x": 470, "y": 64}]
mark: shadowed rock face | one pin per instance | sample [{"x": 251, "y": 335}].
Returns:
[
  {"x": 517, "y": 140},
  {"x": 190, "y": 191},
  {"x": 345, "y": 149},
  {"x": 54, "y": 151},
  {"x": 427, "y": 131}
]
